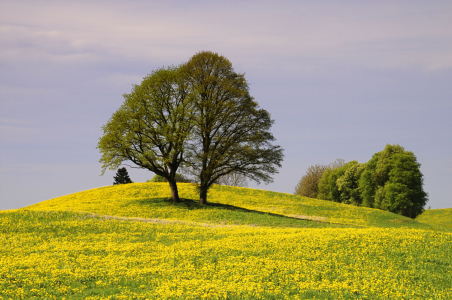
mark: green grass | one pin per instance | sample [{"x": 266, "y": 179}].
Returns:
[
  {"x": 130, "y": 242},
  {"x": 47, "y": 255},
  {"x": 437, "y": 217},
  {"x": 228, "y": 205}
]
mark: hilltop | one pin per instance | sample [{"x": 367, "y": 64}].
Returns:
[{"x": 228, "y": 205}]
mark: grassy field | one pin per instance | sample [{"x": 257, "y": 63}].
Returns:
[
  {"x": 437, "y": 217},
  {"x": 129, "y": 242},
  {"x": 229, "y": 205}
]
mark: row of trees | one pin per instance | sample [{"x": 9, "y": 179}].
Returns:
[
  {"x": 198, "y": 118},
  {"x": 391, "y": 180}
]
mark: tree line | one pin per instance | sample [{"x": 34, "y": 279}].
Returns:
[
  {"x": 197, "y": 118},
  {"x": 391, "y": 180}
]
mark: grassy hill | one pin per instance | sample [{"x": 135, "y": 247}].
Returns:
[
  {"x": 437, "y": 217},
  {"x": 228, "y": 205},
  {"x": 129, "y": 242}
]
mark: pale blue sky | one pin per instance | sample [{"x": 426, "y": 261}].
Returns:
[{"x": 341, "y": 80}]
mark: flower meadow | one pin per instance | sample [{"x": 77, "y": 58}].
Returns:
[
  {"x": 438, "y": 217},
  {"x": 228, "y": 205},
  {"x": 120, "y": 243}
]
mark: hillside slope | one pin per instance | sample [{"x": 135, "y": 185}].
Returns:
[
  {"x": 228, "y": 205},
  {"x": 437, "y": 217},
  {"x": 246, "y": 244}
]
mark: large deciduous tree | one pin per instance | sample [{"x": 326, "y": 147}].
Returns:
[
  {"x": 231, "y": 133},
  {"x": 152, "y": 127},
  {"x": 392, "y": 181}
]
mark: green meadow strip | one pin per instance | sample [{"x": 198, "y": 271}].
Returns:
[{"x": 130, "y": 242}]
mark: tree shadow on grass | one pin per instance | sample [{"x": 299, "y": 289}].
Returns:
[{"x": 239, "y": 213}]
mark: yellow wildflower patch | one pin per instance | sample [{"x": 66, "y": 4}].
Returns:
[
  {"x": 128, "y": 244},
  {"x": 150, "y": 200},
  {"x": 437, "y": 217}
]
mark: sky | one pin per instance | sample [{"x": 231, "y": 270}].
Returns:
[{"x": 341, "y": 79}]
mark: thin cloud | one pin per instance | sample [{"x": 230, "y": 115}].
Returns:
[{"x": 82, "y": 32}]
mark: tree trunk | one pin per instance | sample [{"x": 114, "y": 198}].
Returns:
[
  {"x": 203, "y": 195},
  {"x": 174, "y": 192}
]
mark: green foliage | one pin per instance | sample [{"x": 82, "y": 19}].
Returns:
[
  {"x": 157, "y": 178},
  {"x": 328, "y": 188},
  {"x": 392, "y": 181},
  {"x": 179, "y": 178},
  {"x": 231, "y": 133},
  {"x": 348, "y": 184},
  {"x": 122, "y": 177},
  {"x": 199, "y": 117},
  {"x": 152, "y": 127}
]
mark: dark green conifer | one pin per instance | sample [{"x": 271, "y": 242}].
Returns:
[{"x": 122, "y": 177}]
